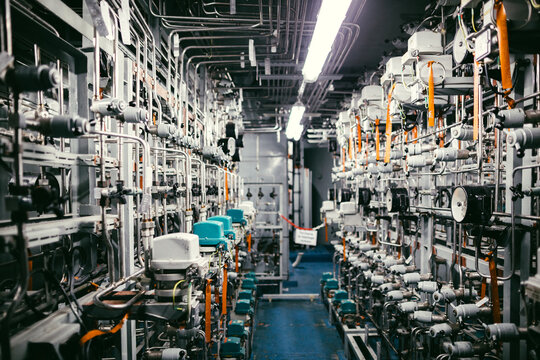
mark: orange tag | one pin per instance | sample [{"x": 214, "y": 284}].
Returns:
[
  {"x": 344, "y": 250},
  {"x": 441, "y": 133},
  {"x": 431, "y": 96},
  {"x": 359, "y": 133},
  {"x": 325, "y": 229},
  {"x": 208, "y": 312},
  {"x": 226, "y": 185},
  {"x": 224, "y": 291},
  {"x": 415, "y": 134},
  {"x": 377, "y": 139},
  {"x": 476, "y": 103},
  {"x": 494, "y": 290},
  {"x": 504, "y": 51},
  {"x": 388, "y": 131}
]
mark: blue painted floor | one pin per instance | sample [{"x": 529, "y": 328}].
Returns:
[{"x": 296, "y": 330}]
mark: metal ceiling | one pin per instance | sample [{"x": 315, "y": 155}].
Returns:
[{"x": 217, "y": 33}]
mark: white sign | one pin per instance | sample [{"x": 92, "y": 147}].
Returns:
[{"x": 305, "y": 237}]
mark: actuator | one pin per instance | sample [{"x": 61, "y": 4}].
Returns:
[
  {"x": 515, "y": 118},
  {"x": 32, "y": 78},
  {"x": 526, "y": 138},
  {"x": 66, "y": 126},
  {"x": 451, "y": 154},
  {"x": 134, "y": 115},
  {"x": 109, "y": 107},
  {"x": 443, "y": 330},
  {"x": 419, "y": 161},
  {"x": 417, "y": 149},
  {"x": 459, "y": 349}
]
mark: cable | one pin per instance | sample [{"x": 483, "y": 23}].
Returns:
[{"x": 174, "y": 293}]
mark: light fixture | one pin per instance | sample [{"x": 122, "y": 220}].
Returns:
[
  {"x": 331, "y": 16},
  {"x": 294, "y": 125}
]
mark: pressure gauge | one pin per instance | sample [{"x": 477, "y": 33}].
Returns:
[
  {"x": 228, "y": 145},
  {"x": 471, "y": 204},
  {"x": 459, "y": 50},
  {"x": 397, "y": 200}
]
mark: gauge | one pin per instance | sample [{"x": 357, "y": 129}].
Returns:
[
  {"x": 459, "y": 204},
  {"x": 459, "y": 50},
  {"x": 397, "y": 200},
  {"x": 471, "y": 204},
  {"x": 231, "y": 145},
  {"x": 228, "y": 145}
]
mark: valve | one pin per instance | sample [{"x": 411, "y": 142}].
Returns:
[
  {"x": 515, "y": 118},
  {"x": 397, "y": 295},
  {"x": 388, "y": 286},
  {"x": 428, "y": 286},
  {"x": 504, "y": 332},
  {"x": 109, "y": 107},
  {"x": 470, "y": 311},
  {"x": 32, "y": 78},
  {"x": 525, "y": 138},
  {"x": 445, "y": 293},
  {"x": 418, "y": 161},
  {"x": 424, "y": 316},
  {"x": 417, "y": 149},
  {"x": 443, "y": 330},
  {"x": 463, "y": 132},
  {"x": 415, "y": 278},
  {"x": 402, "y": 269},
  {"x": 66, "y": 126},
  {"x": 162, "y": 130},
  {"x": 134, "y": 115},
  {"x": 450, "y": 154},
  {"x": 465, "y": 349}
]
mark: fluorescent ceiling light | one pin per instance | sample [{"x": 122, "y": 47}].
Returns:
[
  {"x": 294, "y": 125},
  {"x": 331, "y": 16}
]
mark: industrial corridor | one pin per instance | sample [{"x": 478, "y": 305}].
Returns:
[{"x": 269, "y": 179}]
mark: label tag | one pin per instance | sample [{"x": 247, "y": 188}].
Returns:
[
  {"x": 482, "y": 301},
  {"x": 305, "y": 237},
  {"x": 123, "y": 16},
  {"x": 409, "y": 259},
  {"x": 146, "y": 203}
]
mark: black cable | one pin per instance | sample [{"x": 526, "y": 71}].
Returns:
[{"x": 50, "y": 276}]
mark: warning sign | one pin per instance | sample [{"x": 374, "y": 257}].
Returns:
[{"x": 305, "y": 237}]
